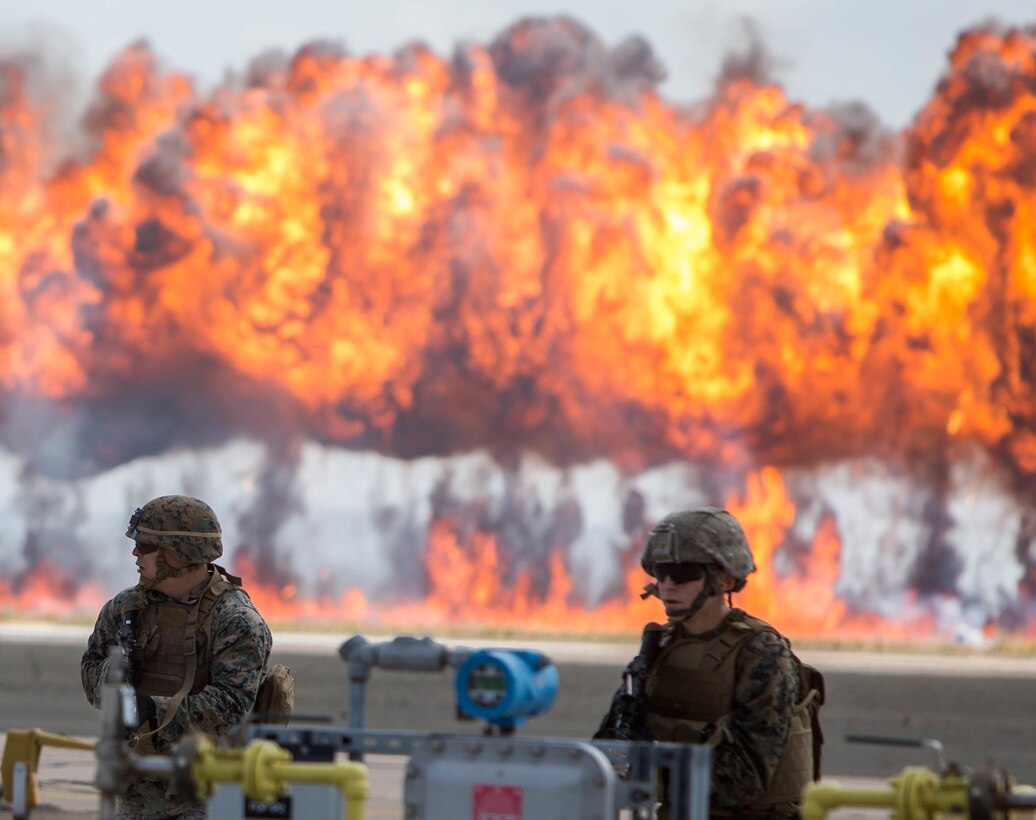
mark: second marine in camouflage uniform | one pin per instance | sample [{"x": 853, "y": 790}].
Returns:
[
  {"x": 182, "y": 598},
  {"x": 721, "y": 677}
]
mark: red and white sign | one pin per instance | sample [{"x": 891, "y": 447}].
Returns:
[{"x": 489, "y": 802}]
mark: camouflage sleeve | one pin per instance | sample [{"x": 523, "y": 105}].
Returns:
[
  {"x": 765, "y": 693},
  {"x": 241, "y": 644},
  {"x": 93, "y": 668}
]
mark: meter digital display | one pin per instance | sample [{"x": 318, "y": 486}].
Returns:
[{"x": 487, "y": 685}]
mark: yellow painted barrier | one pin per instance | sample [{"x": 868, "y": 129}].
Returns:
[{"x": 24, "y": 746}]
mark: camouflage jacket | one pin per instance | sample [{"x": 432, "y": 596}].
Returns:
[
  {"x": 761, "y": 705},
  {"x": 241, "y": 644}
]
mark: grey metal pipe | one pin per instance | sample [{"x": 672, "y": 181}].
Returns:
[
  {"x": 116, "y": 763},
  {"x": 404, "y": 652},
  {"x": 20, "y": 796},
  {"x": 113, "y": 756}
]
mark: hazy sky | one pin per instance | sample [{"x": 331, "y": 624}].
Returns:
[{"x": 886, "y": 53}]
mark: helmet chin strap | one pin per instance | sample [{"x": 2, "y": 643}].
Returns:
[
  {"x": 163, "y": 571},
  {"x": 710, "y": 588}
]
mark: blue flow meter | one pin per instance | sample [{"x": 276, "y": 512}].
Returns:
[{"x": 505, "y": 686}]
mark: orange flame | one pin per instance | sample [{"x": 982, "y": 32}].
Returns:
[
  {"x": 506, "y": 251},
  {"x": 467, "y": 586},
  {"x": 48, "y": 591}
]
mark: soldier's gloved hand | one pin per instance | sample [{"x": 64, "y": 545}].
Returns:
[{"x": 145, "y": 709}]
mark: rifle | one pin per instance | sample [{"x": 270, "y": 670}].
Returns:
[
  {"x": 126, "y": 640},
  {"x": 627, "y": 717}
]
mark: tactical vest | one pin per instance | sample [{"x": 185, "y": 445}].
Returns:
[
  {"x": 173, "y": 640},
  {"x": 174, "y": 651},
  {"x": 689, "y": 700}
]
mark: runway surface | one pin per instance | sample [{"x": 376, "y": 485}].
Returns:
[{"x": 982, "y": 708}]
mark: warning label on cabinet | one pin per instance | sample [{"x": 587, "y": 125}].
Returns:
[{"x": 492, "y": 802}]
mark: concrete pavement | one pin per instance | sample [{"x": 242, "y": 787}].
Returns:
[{"x": 974, "y": 702}]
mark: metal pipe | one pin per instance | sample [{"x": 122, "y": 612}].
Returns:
[
  {"x": 404, "y": 652},
  {"x": 113, "y": 755},
  {"x": 19, "y": 796},
  {"x": 351, "y": 779},
  {"x": 821, "y": 798},
  {"x": 263, "y": 769},
  {"x": 356, "y": 653},
  {"x": 914, "y": 794}
]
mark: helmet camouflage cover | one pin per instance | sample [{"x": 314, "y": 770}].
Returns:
[
  {"x": 700, "y": 535},
  {"x": 185, "y": 526}
]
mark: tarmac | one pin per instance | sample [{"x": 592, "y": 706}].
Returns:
[
  {"x": 66, "y": 776},
  {"x": 955, "y": 664}
]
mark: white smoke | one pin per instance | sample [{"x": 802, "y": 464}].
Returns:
[{"x": 363, "y": 520}]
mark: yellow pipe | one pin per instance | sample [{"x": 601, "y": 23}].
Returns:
[
  {"x": 914, "y": 794},
  {"x": 263, "y": 769},
  {"x": 251, "y": 767},
  {"x": 351, "y": 779},
  {"x": 820, "y": 798},
  {"x": 24, "y": 746}
]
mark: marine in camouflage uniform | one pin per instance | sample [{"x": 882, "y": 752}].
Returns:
[
  {"x": 176, "y": 540},
  {"x": 721, "y": 677}
]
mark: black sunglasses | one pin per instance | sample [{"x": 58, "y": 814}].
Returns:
[
  {"x": 146, "y": 549},
  {"x": 680, "y": 573}
]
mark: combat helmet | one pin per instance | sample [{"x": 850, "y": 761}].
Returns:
[
  {"x": 700, "y": 535},
  {"x": 185, "y": 526}
]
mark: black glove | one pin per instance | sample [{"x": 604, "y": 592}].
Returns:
[{"x": 145, "y": 709}]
